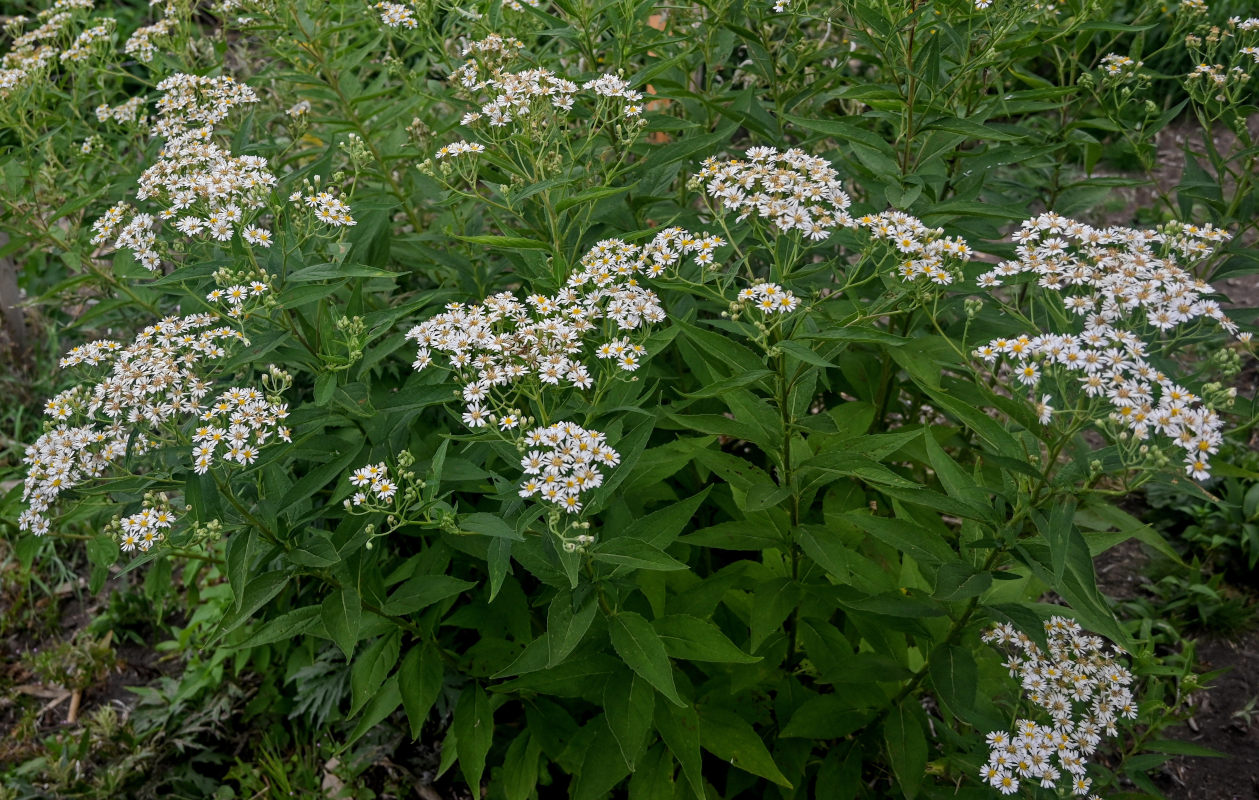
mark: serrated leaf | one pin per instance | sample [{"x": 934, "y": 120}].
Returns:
[
  {"x": 422, "y": 591},
  {"x": 257, "y": 593},
  {"x": 732, "y": 739},
  {"x": 628, "y": 706},
  {"x": 420, "y": 681},
  {"x": 565, "y": 626},
  {"x": 637, "y": 643},
  {"x": 636, "y": 553},
  {"x": 679, "y": 728},
  {"x": 505, "y": 242},
  {"x": 520, "y": 767},
  {"x": 381, "y": 706},
  {"x": 286, "y": 626},
  {"x": 906, "y": 746},
  {"x": 954, "y": 676},
  {"x": 474, "y": 733},
  {"x": 341, "y": 612},
  {"x": 489, "y": 525},
  {"x": 825, "y": 717},
  {"x": 372, "y": 667},
  {"x": 694, "y": 639}
]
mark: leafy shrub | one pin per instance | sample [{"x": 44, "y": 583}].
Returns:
[{"x": 719, "y": 450}]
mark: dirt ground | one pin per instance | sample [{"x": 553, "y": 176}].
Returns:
[{"x": 1226, "y": 719}]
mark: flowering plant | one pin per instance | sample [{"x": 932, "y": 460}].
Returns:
[{"x": 587, "y": 389}]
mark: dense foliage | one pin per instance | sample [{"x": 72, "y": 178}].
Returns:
[{"x": 621, "y": 399}]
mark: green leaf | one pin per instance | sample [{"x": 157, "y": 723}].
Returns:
[
  {"x": 956, "y": 481},
  {"x": 505, "y": 242},
  {"x": 835, "y": 464},
  {"x": 286, "y": 626},
  {"x": 739, "y": 535},
  {"x": 474, "y": 733},
  {"x": 323, "y": 272},
  {"x": 636, "y": 553},
  {"x": 382, "y": 705},
  {"x": 738, "y": 381},
  {"x": 565, "y": 626},
  {"x": 805, "y": 354},
  {"x": 695, "y": 639},
  {"x": 637, "y": 643},
  {"x": 489, "y": 525},
  {"x": 729, "y": 737},
  {"x": 1057, "y": 532},
  {"x": 601, "y": 767},
  {"x": 241, "y": 551},
  {"x": 340, "y": 612},
  {"x": 774, "y": 600},
  {"x": 316, "y": 551},
  {"x": 332, "y": 466},
  {"x": 628, "y": 714},
  {"x": 591, "y": 195},
  {"x": 520, "y": 768},
  {"x": 498, "y": 560},
  {"x": 422, "y": 591},
  {"x": 960, "y": 581},
  {"x": 372, "y": 667},
  {"x": 662, "y": 527},
  {"x": 906, "y": 746},
  {"x": 420, "y": 680},
  {"x": 922, "y": 545},
  {"x": 679, "y": 728},
  {"x": 825, "y": 717},
  {"x": 955, "y": 676},
  {"x": 102, "y": 550},
  {"x": 257, "y": 593},
  {"x": 974, "y": 130}
]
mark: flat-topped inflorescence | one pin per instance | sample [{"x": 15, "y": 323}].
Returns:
[
  {"x": 205, "y": 191},
  {"x": 792, "y": 190},
  {"x": 1084, "y": 690},
  {"x": 152, "y": 387},
  {"x": 562, "y": 461},
  {"x": 1130, "y": 290},
  {"x": 504, "y": 339}
]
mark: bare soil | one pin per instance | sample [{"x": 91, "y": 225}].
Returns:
[{"x": 1221, "y": 723}]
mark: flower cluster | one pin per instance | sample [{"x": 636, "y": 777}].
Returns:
[
  {"x": 513, "y": 95},
  {"x": 459, "y": 149},
  {"x": 31, "y": 52},
  {"x": 490, "y": 54},
  {"x": 372, "y": 479},
  {"x": 504, "y": 339},
  {"x": 792, "y": 190},
  {"x": 152, "y": 383},
  {"x": 770, "y": 298},
  {"x": 1120, "y": 66},
  {"x": 194, "y": 104},
  {"x": 329, "y": 206},
  {"x": 564, "y": 462},
  {"x": 124, "y": 113},
  {"x": 206, "y": 190},
  {"x": 81, "y": 48},
  {"x": 237, "y": 295},
  {"x": 1218, "y": 74},
  {"x": 240, "y": 419},
  {"x": 1082, "y": 687},
  {"x": 145, "y": 528},
  {"x": 140, "y": 43},
  {"x": 1123, "y": 278},
  {"x": 395, "y": 14},
  {"x": 928, "y": 252}
]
